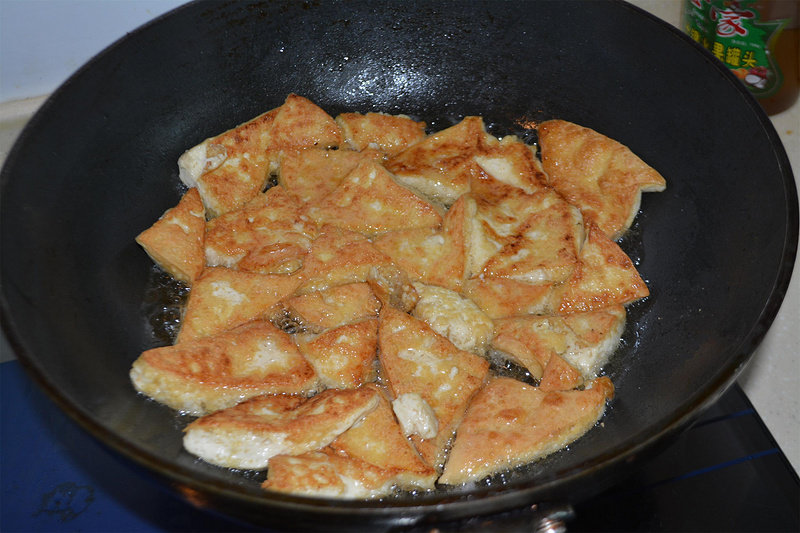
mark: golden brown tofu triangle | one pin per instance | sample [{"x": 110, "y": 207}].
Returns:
[
  {"x": 544, "y": 247},
  {"x": 599, "y": 175},
  {"x": 369, "y": 460},
  {"x": 328, "y": 473},
  {"x": 250, "y": 433},
  {"x": 514, "y": 163},
  {"x": 390, "y": 134},
  {"x": 509, "y": 424},
  {"x": 379, "y": 440},
  {"x": 212, "y": 373},
  {"x": 368, "y": 200},
  {"x": 337, "y": 257},
  {"x": 584, "y": 340},
  {"x": 343, "y": 357},
  {"x": 605, "y": 276},
  {"x": 431, "y": 255},
  {"x": 175, "y": 241},
  {"x": 440, "y": 165},
  {"x": 222, "y": 298},
  {"x": 330, "y": 308},
  {"x": 233, "y": 167},
  {"x": 417, "y": 360},
  {"x": 310, "y": 174},
  {"x": 269, "y": 231}
]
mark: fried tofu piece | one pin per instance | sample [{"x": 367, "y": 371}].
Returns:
[
  {"x": 269, "y": 227},
  {"x": 584, "y": 340},
  {"x": 343, "y": 357},
  {"x": 331, "y": 308},
  {"x": 597, "y": 174},
  {"x": 496, "y": 211},
  {"x": 250, "y": 433},
  {"x": 330, "y": 474},
  {"x": 368, "y": 200},
  {"x": 416, "y": 359},
  {"x": 337, "y": 257},
  {"x": 301, "y": 123},
  {"x": 560, "y": 375},
  {"x": 509, "y": 424},
  {"x": 310, "y": 174},
  {"x": 391, "y": 134},
  {"x": 545, "y": 247},
  {"x": 231, "y": 168},
  {"x": 276, "y": 258},
  {"x": 455, "y": 317},
  {"x": 205, "y": 375},
  {"x": 369, "y": 460},
  {"x": 605, "y": 276},
  {"x": 392, "y": 286},
  {"x": 440, "y": 165},
  {"x": 506, "y": 297},
  {"x": 175, "y": 241},
  {"x": 515, "y": 163},
  {"x": 431, "y": 255},
  {"x": 533, "y": 237},
  {"x": 222, "y": 299},
  {"x": 379, "y": 440}
]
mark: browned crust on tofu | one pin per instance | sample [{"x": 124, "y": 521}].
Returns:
[
  {"x": 369, "y": 201},
  {"x": 560, "y": 375},
  {"x": 253, "y": 148},
  {"x": 585, "y": 340},
  {"x": 310, "y": 174},
  {"x": 430, "y": 255},
  {"x": 222, "y": 299},
  {"x": 339, "y": 256},
  {"x": 391, "y": 134},
  {"x": 506, "y": 297},
  {"x": 301, "y": 123},
  {"x": 328, "y": 473},
  {"x": 532, "y": 340},
  {"x": 545, "y": 246},
  {"x": 510, "y": 423},
  {"x": 440, "y": 165},
  {"x": 597, "y": 174},
  {"x": 261, "y": 427},
  {"x": 333, "y": 307},
  {"x": 514, "y": 163},
  {"x": 244, "y": 170},
  {"x": 379, "y": 440},
  {"x": 269, "y": 229},
  {"x": 213, "y": 373},
  {"x": 605, "y": 276},
  {"x": 343, "y": 357},
  {"x": 175, "y": 241},
  {"x": 416, "y": 359}
]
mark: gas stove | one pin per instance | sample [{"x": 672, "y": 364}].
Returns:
[{"x": 725, "y": 473}]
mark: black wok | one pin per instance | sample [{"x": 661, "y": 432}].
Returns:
[{"x": 97, "y": 164}]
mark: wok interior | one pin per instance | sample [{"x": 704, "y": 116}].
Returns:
[{"x": 98, "y": 165}]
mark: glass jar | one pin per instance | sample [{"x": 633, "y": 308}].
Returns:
[{"x": 757, "y": 40}]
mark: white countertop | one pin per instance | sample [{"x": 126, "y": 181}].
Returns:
[{"x": 771, "y": 380}]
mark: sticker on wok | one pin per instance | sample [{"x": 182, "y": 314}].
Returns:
[{"x": 358, "y": 288}]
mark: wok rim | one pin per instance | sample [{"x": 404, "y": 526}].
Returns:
[{"x": 492, "y": 499}]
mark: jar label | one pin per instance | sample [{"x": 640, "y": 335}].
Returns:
[{"x": 734, "y": 32}]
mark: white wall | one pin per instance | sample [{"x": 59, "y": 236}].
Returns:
[{"x": 42, "y": 42}]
